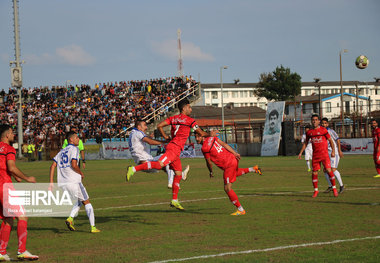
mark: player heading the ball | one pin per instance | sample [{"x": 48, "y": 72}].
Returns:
[{"x": 181, "y": 126}]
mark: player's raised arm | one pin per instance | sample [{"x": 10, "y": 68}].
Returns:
[
  {"x": 152, "y": 141},
  {"x": 160, "y": 127},
  {"x": 229, "y": 148}
]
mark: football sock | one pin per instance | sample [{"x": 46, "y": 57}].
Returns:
[
  {"x": 175, "y": 188},
  {"x": 308, "y": 164},
  {"x": 332, "y": 179},
  {"x": 90, "y": 214},
  {"x": 242, "y": 171},
  {"x": 338, "y": 177},
  {"x": 147, "y": 166},
  {"x": 170, "y": 174},
  {"x": 233, "y": 198},
  {"x": 328, "y": 178},
  {"x": 5, "y": 233},
  {"x": 75, "y": 210},
  {"x": 240, "y": 208},
  {"x": 2, "y": 224},
  {"x": 315, "y": 181},
  {"x": 22, "y": 233}
]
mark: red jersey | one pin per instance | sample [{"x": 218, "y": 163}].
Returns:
[
  {"x": 217, "y": 153},
  {"x": 180, "y": 128},
  {"x": 319, "y": 142},
  {"x": 375, "y": 137},
  {"x": 7, "y": 152}
]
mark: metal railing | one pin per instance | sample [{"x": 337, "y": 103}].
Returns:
[{"x": 193, "y": 91}]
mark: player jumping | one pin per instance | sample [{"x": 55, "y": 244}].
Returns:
[
  {"x": 319, "y": 137},
  {"x": 138, "y": 147},
  {"x": 69, "y": 178},
  {"x": 181, "y": 126},
  {"x": 223, "y": 156},
  {"x": 8, "y": 168}
]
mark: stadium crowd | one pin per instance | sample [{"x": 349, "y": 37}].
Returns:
[{"x": 106, "y": 110}]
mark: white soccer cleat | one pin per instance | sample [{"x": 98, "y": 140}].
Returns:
[
  {"x": 185, "y": 172},
  {"x": 26, "y": 255},
  {"x": 4, "y": 257}
]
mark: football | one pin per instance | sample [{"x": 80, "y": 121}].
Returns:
[{"x": 361, "y": 62}]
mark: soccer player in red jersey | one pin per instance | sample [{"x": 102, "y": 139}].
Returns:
[
  {"x": 376, "y": 146},
  {"x": 223, "y": 156},
  {"x": 8, "y": 168},
  {"x": 319, "y": 137},
  {"x": 181, "y": 126}
]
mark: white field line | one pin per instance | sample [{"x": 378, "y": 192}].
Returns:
[
  {"x": 214, "y": 191},
  {"x": 224, "y": 197},
  {"x": 268, "y": 249}
]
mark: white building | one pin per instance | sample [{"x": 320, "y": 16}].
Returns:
[{"x": 364, "y": 94}]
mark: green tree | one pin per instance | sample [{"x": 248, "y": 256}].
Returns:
[{"x": 279, "y": 85}]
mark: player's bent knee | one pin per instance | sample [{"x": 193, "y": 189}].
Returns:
[{"x": 86, "y": 202}]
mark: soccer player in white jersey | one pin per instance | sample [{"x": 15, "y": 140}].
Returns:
[
  {"x": 334, "y": 160},
  {"x": 69, "y": 178},
  {"x": 138, "y": 146},
  {"x": 308, "y": 149}
]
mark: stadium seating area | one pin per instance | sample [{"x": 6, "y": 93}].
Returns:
[{"x": 106, "y": 109}]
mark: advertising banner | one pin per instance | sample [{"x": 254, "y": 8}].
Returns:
[
  {"x": 272, "y": 128},
  {"x": 357, "y": 146}
]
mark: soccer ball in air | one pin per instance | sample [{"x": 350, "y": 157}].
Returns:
[{"x": 361, "y": 62}]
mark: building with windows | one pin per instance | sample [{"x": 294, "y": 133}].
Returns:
[{"x": 359, "y": 97}]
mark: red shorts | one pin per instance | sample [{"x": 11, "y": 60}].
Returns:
[
  {"x": 171, "y": 157},
  {"x": 316, "y": 162},
  {"x": 229, "y": 174}
]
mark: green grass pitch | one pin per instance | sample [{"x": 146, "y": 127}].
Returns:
[{"x": 139, "y": 226}]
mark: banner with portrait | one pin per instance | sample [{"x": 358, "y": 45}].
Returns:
[{"x": 272, "y": 128}]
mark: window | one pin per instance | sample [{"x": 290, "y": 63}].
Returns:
[
  {"x": 328, "y": 106},
  {"x": 377, "y": 104},
  {"x": 214, "y": 94},
  {"x": 207, "y": 95},
  {"x": 315, "y": 108},
  {"x": 361, "y": 105},
  {"x": 251, "y": 93},
  {"x": 303, "y": 108},
  {"x": 234, "y": 94},
  {"x": 225, "y": 94}
]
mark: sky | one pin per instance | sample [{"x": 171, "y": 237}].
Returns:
[{"x": 92, "y": 41}]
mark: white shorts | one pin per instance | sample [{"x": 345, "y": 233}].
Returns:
[
  {"x": 308, "y": 154},
  {"x": 77, "y": 191},
  {"x": 334, "y": 161}
]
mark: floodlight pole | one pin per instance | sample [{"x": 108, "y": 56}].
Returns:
[
  {"x": 341, "y": 92},
  {"x": 17, "y": 63},
  {"x": 221, "y": 88}
]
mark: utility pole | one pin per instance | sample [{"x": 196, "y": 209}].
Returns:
[
  {"x": 180, "y": 64},
  {"x": 16, "y": 76}
]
